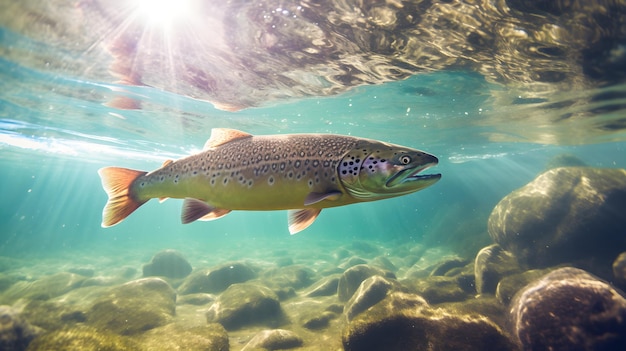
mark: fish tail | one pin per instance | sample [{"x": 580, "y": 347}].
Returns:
[{"x": 116, "y": 182}]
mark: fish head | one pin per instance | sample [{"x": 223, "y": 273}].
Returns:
[{"x": 375, "y": 170}]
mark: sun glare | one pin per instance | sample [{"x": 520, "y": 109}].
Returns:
[{"x": 164, "y": 12}]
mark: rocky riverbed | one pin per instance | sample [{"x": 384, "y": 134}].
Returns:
[{"x": 551, "y": 279}]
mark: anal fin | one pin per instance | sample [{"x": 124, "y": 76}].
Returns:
[
  {"x": 194, "y": 209},
  {"x": 300, "y": 219}
]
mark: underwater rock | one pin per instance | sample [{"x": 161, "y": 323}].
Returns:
[
  {"x": 134, "y": 307},
  {"x": 82, "y": 338},
  {"x": 15, "y": 332},
  {"x": 275, "y": 339},
  {"x": 438, "y": 289},
  {"x": 246, "y": 304},
  {"x": 167, "y": 263},
  {"x": 567, "y": 214},
  {"x": 619, "y": 269},
  {"x": 44, "y": 288},
  {"x": 492, "y": 263},
  {"x": 326, "y": 286},
  {"x": 371, "y": 291},
  {"x": 441, "y": 268},
  {"x": 210, "y": 337},
  {"x": 195, "y": 299},
  {"x": 319, "y": 321},
  {"x": 484, "y": 305},
  {"x": 457, "y": 285},
  {"x": 406, "y": 322},
  {"x": 569, "y": 309},
  {"x": 353, "y": 276},
  {"x": 510, "y": 285},
  {"x": 217, "y": 279},
  {"x": 296, "y": 277}
]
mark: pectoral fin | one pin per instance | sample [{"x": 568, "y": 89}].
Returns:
[
  {"x": 317, "y": 197},
  {"x": 301, "y": 219},
  {"x": 194, "y": 209}
]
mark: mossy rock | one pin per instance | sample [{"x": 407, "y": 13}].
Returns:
[
  {"x": 83, "y": 338},
  {"x": 167, "y": 263},
  {"x": 210, "y": 337},
  {"x": 296, "y": 277},
  {"x": 44, "y": 288},
  {"x": 246, "y": 304},
  {"x": 406, "y": 322},
  {"x": 134, "y": 307},
  {"x": 217, "y": 279}
]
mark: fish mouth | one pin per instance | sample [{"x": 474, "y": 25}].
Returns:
[{"x": 410, "y": 175}]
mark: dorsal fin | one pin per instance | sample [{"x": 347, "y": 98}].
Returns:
[{"x": 221, "y": 136}]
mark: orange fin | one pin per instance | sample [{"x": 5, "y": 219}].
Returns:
[
  {"x": 194, "y": 209},
  {"x": 300, "y": 219},
  {"x": 221, "y": 136},
  {"x": 116, "y": 182}
]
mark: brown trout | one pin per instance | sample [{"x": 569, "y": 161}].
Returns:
[{"x": 302, "y": 173}]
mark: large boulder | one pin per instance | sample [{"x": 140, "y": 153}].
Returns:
[
  {"x": 217, "y": 279},
  {"x": 134, "y": 307},
  {"x": 246, "y": 304},
  {"x": 567, "y": 214},
  {"x": 167, "y": 263},
  {"x": 406, "y": 322},
  {"x": 569, "y": 309}
]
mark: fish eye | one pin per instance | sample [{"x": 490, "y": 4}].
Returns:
[{"x": 405, "y": 160}]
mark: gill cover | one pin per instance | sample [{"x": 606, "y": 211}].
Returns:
[{"x": 375, "y": 170}]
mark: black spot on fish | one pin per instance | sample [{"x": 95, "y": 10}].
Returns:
[
  {"x": 344, "y": 172},
  {"x": 225, "y": 181}
]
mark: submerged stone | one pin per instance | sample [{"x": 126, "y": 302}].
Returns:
[
  {"x": 353, "y": 276},
  {"x": 210, "y": 337},
  {"x": 567, "y": 214},
  {"x": 82, "y": 338},
  {"x": 492, "y": 263},
  {"x": 569, "y": 309},
  {"x": 275, "y": 339},
  {"x": 295, "y": 277},
  {"x": 167, "y": 263},
  {"x": 441, "y": 268},
  {"x": 406, "y": 322},
  {"x": 134, "y": 307},
  {"x": 44, "y": 288},
  {"x": 371, "y": 291},
  {"x": 246, "y": 304},
  {"x": 326, "y": 286},
  {"x": 217, "y": 279}
]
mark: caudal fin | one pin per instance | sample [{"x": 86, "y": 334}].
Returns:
[{"x": 116, "y": 182}]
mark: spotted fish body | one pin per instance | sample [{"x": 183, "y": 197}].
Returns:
[{"x": 303, "y": 173}]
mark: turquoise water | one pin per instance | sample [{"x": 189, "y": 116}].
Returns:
[{"x": 57, "y": 128}]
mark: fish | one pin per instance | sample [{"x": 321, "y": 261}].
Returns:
[{"x": 300, "y": 173}]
